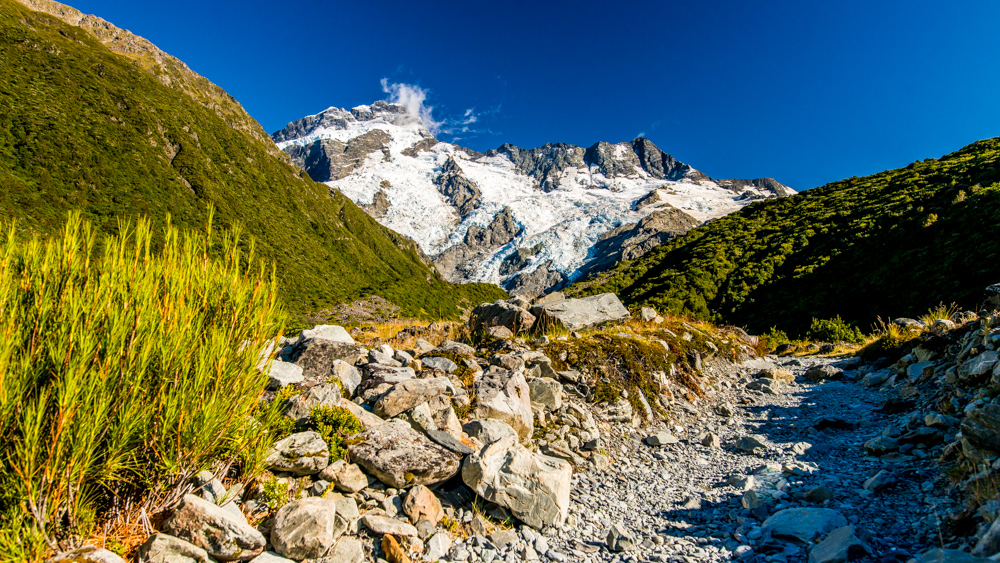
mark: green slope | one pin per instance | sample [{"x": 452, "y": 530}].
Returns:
[
  {"x": 119, "y": 129},
  {"x": 891, "y": 244}
]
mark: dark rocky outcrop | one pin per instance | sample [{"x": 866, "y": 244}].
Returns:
[
  {"x": 463, "y": 259},
  {"x": 766, "y": 185},
  {"x": 326, "y": 160},
  {"x": 536, "y": 282},
  {"x": 545, "y": 164},
  {"x": 633, "y": 240},
  {"x": 656, "y": 162},
  {"x": 460, "y": 191}
]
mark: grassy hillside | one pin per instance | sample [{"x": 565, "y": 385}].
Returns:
[
  {"x": 123, "y": 130},
  {"x": 891, "y": 244}
]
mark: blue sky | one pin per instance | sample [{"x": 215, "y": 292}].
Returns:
[{"x": 807, "y": 92}]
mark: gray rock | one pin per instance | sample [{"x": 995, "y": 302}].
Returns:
[
  {"x": 316, "y": 357},
  {"x": 439, "y": 363},
  {"x": 281, "y": 374},
  {"x": 347, "y": 550},
  {"x": 504, "y": 395},
  {"x": 881, "y": 445},
  {"x": 818, "y": 495},
  {"x": 488, "y": 430},
  {"x": 576, "y": 314},
  {"x": 306, "y": 528},
  {"x": 840, "y": 546},
  {"x": 711, "y": 440},
  {"x": 535, "y": 488},
  {"x": 347, "y": 374},
  {"x": 367, "y": 418},
  {"x": 803, "y": 525},
  {"x": 163, "y": 548},
  {"x": 382, "y": 525},
  {"x": 270, "y": 557},
  {"x": 982, "y": 364},
  {"x": 648, "y": 314},
  {"x": 452, "y": 347},
  {"x": 331, "y": 333},
  {"x": 407, "y": 395},
  {"x": 445, "y": 439},
  {"x": 302, "y": 453},
  {"x": 224, "y": 535},
  {"x": 437, "y": 547},
  {"x": 981, "y": 427},
  {"x": 300, "y": 406},
  {"x": 661, "y": 438},
  {"x": 503, "y": 314},
  {"x": 87, "y": 554},
  {"x": 401, "y": 457},
  {"x": 989, "y": 544},
  {"x": 619, "y": 539},
  {"x": 546, "y": 391},
  {"x": 750, "y": 444},
  {"x": 824, "y": 372}
]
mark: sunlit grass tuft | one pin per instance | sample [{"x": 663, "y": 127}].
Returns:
[{"x": 124, "y": 372}]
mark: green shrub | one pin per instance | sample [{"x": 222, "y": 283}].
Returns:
[
  {"x": 123, "y": 372},
  {"x": 834, "y": 330},
  {"x": 774, "y": 338},
  {"x": 335, "y": 424}
]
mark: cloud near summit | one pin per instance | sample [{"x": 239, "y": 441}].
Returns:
[{"x": 414, "y": 99}]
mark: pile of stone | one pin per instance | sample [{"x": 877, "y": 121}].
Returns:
[{"x": 945, "y": 404}]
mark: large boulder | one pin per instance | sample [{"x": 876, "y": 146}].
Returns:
[
  {"x": 408, "y": 394},
  {"x": 281, "y": 374},
  {"x": 487, "y": 430},
  {"x": 224, "y": 535},
  {"x": 534, "y": 487},
  {"x": 500, "y": 314},
  {"x": 332, "y": 333},
  {"x": 302, "y": 453},
  {"x": 803, "y": 525},
  {"x": 575, "y": 314},
  {"x": 504, "y": 395},
  {"x": 164, "y": 548},
  {"x": 981, "y": 427},
  {"x": 399, "y": 456},
  {"x": 300, "y": 406},
  {"x": 316, "y": 356},
  {"x": 347, "y": 375},
  {"x": 307, "y": 528}
]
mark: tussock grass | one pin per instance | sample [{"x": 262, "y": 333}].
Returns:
[
  {"x": 941, "y": 311},
  {"x": 124, "y": 372}
]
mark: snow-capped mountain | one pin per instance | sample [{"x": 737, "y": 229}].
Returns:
[{"x": 528, "y": 219}]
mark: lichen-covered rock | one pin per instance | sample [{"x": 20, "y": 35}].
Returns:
[
  {"x": 487, "y": 430},
  {"x": 331, "y": 333},
  {"x": 400, "y": 457},
  {"x": 302, "y": 453},
  {"x": 407, "y": 395},
  {"x": 502, "y": 314},
  {"x": 281, "y": 374},
  {"x": 535, "y": 488},
  {"x": 86, "y": 554},
  {"x": 546, "y": 391},
  {"x": 164, "y": 548},
  {"x": 576, "y": 314},
  {"x": 316, "y": 356},
  {"x": 323, "y": 395},
  {"x": 307, "y": 528},
  {"x": 224, "y": 535},
  {"x": 505, "y": 396}
]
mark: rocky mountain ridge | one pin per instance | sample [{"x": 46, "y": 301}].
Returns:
[{"x": 565, "y": 200}]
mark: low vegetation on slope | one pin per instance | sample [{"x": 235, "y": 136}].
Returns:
[
  {"x": 124, "y": 374},
  {"x": 83, "y": 127},
  {"x": 891, "y": 244}
]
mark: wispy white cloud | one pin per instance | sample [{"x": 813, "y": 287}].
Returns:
[{"x": 414, "y": 99}]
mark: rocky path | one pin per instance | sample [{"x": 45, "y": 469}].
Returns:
[{"x": 801, "y": 447}]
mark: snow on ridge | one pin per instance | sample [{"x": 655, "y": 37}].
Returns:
[{"x": 567, "y": 222}]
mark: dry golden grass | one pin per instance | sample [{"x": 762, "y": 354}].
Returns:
[{"x": 394, "y": 333}]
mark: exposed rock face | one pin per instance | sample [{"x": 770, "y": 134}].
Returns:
[
  {"x": 225, "y": 536},
  {"x": 400, "y": 457},
  {"x": 631, "y": 241},
  {"x": 306, "y": 528},
  {"x": 454, "y": 262},
  {"x": 534, "y": 283},
  {"x": 545, "y": 164},
  {"x": 575, "y": 314},
  {"x": 532, "y": 486},
  {"x": 504, "y": 395},
  {"x": 460, "y": 191},
  {"x": 766, "y": 185},
  {"x": 500, "y": 313},
  {"x": 656, "y": 162},
  {"x": 326, "y": 159}
]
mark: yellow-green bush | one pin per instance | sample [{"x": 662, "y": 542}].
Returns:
[{"x": 123, "y": 371}]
